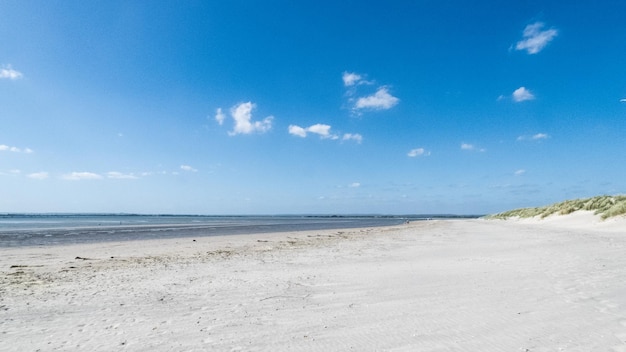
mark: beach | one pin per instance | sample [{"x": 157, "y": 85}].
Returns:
[{"x": 441, "y": 285}]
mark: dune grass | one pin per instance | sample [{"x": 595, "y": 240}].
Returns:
[{"x": 605, "y": 206}]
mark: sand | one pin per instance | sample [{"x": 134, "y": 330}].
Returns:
[{"x": 459, "y": 285}]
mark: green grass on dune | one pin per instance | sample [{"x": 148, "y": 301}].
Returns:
[{"x": 605, "y": 206}]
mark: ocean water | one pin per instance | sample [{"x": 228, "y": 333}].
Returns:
[{"x": 54, "y": 229}]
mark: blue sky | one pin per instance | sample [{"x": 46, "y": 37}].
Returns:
[{"x": 283, "y": 107}]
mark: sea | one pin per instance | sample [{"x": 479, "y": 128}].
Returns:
[{"x": 19, "y": 230}]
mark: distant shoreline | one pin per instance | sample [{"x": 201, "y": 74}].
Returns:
[
  {"x": 60, "y": 215},
  {"x": 44, "y": 230}
]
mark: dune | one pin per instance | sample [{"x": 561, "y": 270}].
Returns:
[
  {"x": 578, "y": 220},
  {"x": 453, "y": 285},
  {"x": 603, "y": 206}
]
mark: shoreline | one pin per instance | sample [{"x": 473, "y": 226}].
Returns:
[
  {"x": 62, "y": 235},
  {"x": 486, "y": 285},
  {"x": 176, "y": 246}
]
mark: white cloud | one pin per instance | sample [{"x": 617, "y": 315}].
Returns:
[
  {"x": 120, "y": 176},
  {"x": 535, "y": 39},
  {"x": 297, "y": 131},
  {"x": 623, "y": 100},
  {"x": 320, "y": 129},
  {"x": 520, "y": 172},
  {"x": 352, "y": 137},
  {"x": 5, "y": 148},
  {"x": 242, "y": 114},
  {"x": 354, "y": 79},
  {"x": 522, "y": 94},
  {"x": 350, "y": 79},
  {"x": 7, "y": 72},
  {"x": 381, "y": 100},
  {"x": 219, "y": 116},
  {"x": 535, "y": 137},
  {"x": 188, "y": 168},
  {"x": 467, "y": 146},
  {"x": 77, "y": 176},
  {"x": 418, "y": 152},
  {"x": 38, "y": 175},
  {"x": 354, "y": 185}
]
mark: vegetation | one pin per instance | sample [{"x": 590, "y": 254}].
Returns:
[{"x": 605, "y": 206}]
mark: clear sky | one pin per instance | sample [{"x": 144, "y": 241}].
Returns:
[{"x": 325, "y": 107}]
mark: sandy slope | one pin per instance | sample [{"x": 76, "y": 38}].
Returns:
[{"x": 466, "y": 285}]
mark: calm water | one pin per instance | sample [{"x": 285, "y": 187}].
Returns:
[{"x": 42, "y": 230}]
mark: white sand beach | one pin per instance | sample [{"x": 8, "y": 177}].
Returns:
[{"x": 457, "y": 285}]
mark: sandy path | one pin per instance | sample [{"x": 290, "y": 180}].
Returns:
[{"x": 469, "y": 285}]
